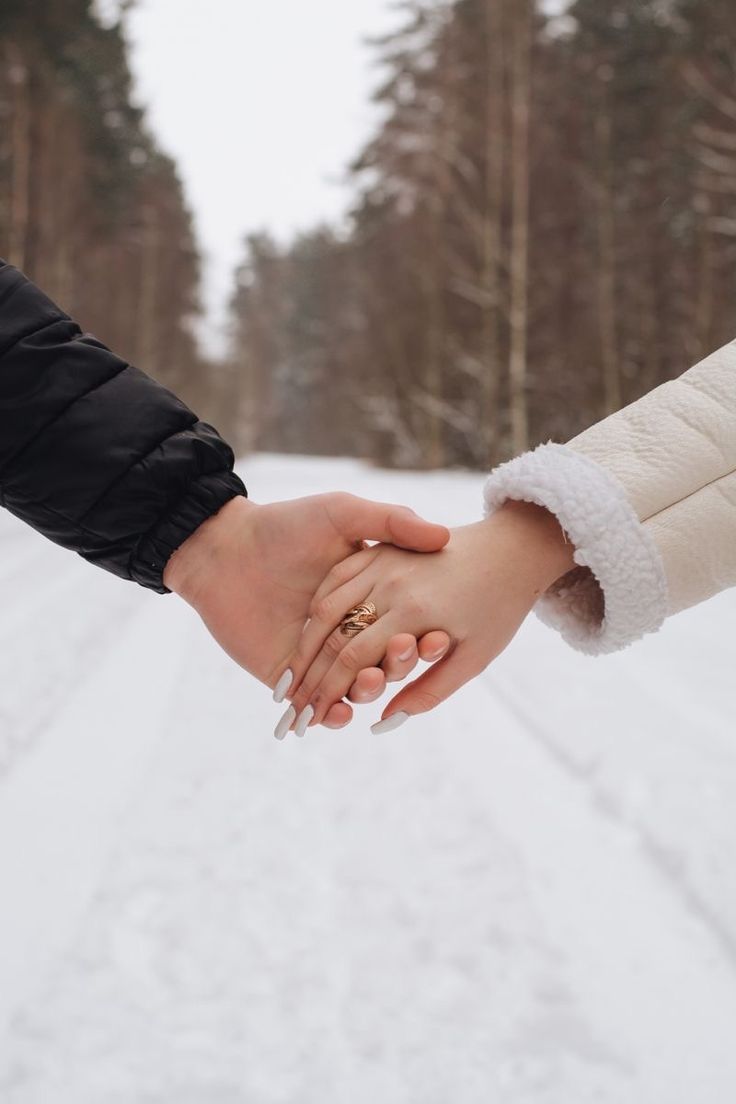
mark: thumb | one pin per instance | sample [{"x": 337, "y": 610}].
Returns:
[
  {"x": 430, "y": 689},
  {"x": 360, "y": 519}
]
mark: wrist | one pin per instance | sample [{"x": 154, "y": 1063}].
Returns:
[
  {"x": 196, "y": 561},
  {"x": 545, "y": 550}
]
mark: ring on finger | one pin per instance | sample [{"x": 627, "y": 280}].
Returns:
[{"x": 358, "y": 619}]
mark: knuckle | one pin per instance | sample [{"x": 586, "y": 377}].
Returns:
[
  {"x": 324, "y": 609},
  {"x": 321, "y": 703},
  {"x": 341, "y": 573},
  {"x": 348, "y": 659},
  {"x": 412, "y": 606},
  {"x": 424, "y": 701},
  {"x": 303, "y": 696},
  {"x": 335, "y": 578},
  {"x": 342, "y": 499},
  {"x": 299, "y": 701},
  {"x": 334, "y": 647},
  {"x": 393, "y": 586}
]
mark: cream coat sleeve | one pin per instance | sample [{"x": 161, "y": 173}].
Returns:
[{"x": 648, "y": 498}]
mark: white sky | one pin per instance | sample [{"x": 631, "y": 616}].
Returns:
[{"x": 262, "y": 103}]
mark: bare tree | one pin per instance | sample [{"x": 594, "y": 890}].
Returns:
[{"x": 521, "y": 43}]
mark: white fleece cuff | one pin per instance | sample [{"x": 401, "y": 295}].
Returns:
[{"x": 626, "y": 594}]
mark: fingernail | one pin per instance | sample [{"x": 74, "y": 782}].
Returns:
[
  {"x": 367, "y": 696},
  {"x": 304, "y": 718},
  {"x": 396, "y": 720},
  {"x": 285, "y": 723},
  {"x": 436, "y": 655},
  {"x": 282, "y": 686},
  {"x": 407, "y": 654}
]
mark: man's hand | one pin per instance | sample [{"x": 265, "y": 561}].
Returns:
[{"x": 251, "y": 572}]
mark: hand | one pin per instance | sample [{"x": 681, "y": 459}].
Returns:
[
  {"x": 480, "y": 589},
  {"x": 251, "y": 572},
  {"x": 402, "y": 655}
]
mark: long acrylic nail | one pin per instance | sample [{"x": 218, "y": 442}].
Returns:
[
  {"x": 282, "y": 686},
  {"x": 305, "y": 717},
  {"x": 285, "y": 723},
  {"x": 396, "y": 720}
]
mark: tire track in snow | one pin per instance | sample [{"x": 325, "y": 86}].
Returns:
[
  {"x": 663, "y": 858},
  {"x": 60, "y": 634},
  {"x": 59, "y": 808}
]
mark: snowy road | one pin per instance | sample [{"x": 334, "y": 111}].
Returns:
[{"x": 527, "y": 898}]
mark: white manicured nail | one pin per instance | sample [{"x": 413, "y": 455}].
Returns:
[
  {"x": 282, "y": 686},
  {"x": 285, "y": 723},
  {"x": 396, "y": 720},
  {"x": 304, "y": 718}
]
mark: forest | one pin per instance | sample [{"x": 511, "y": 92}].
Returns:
[{"x": 543, "y": 228}]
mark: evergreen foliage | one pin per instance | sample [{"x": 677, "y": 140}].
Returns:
[
  {"x": 89, "y": 205},
  {"x": 545, "y": 228}
]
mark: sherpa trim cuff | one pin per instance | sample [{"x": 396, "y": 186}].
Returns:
[{"x": 619, "y": 591}]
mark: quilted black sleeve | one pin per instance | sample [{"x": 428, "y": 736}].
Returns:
[{"x": 93, "y": 453}]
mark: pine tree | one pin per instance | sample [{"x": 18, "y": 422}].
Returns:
[
  {"x": 89, "y": 206},
  {"x": 544, "y": 227}
]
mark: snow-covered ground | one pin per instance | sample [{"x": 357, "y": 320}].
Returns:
[{"x": 527, "y": 898}]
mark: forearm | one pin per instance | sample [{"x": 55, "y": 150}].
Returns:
[
  {"x": 696, "y": 539},
  {"x": 647, "y": 496},
  {"x": 616, "y": 591},
  {"x": 675, "y": 440},
  {"x": 93, "y": 453},
  {"x": 674, "y": 453}
]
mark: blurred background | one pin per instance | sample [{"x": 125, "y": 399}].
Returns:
[
  {"x": 533, "y": 224},
  {"x": 402, "y": 242}
]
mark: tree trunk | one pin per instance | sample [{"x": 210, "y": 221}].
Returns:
[
  {"x": 438, "y": 277},
  {"x": 493, "y": 228},
  {"x": 606, "y": 237},
  {"x": 519, "y": 306},
  {"x": 704, "y": 291},
  {"x": 148, "y": 286},
  {"x": 20, "y": 157}
]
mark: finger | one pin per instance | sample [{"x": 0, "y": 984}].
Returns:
[
  {"x": 343, "y": 572},
  {"x": 403, "y": 653},
  {"x": 338, "y": 716},
  {"x": 321, "y": 621},
  {"x": 401, "y": 657},
  {"x": 359, "y": 519},
  {"x": 430, "y": 689},
  {"x": 322, "y": 637},
  {"x": 368, "y": 686},
  {"x": 433, "y": 646},
  {"x": 327, "y": 653},
  {"x": 345, "y": 658}
]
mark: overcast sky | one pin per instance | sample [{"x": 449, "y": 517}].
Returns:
[{"x": 262, "y": 103}]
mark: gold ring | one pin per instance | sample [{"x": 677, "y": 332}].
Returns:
[{"x": 358, "y": 619}]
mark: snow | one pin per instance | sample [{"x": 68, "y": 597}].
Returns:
[{"x": 528, "y": 897}]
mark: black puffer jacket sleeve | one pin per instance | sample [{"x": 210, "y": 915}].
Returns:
[{"x": 93, "y": 453}]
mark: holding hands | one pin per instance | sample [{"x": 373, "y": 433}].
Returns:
[
  {"x": 251, "y": 572},
  {"x": 256, "y": 573},
  {"x": 464, "y": 603}
]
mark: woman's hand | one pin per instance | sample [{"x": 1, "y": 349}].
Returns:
[
  {"x": 251, "y": 572},
  {"x": 479, "y": 589}
]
